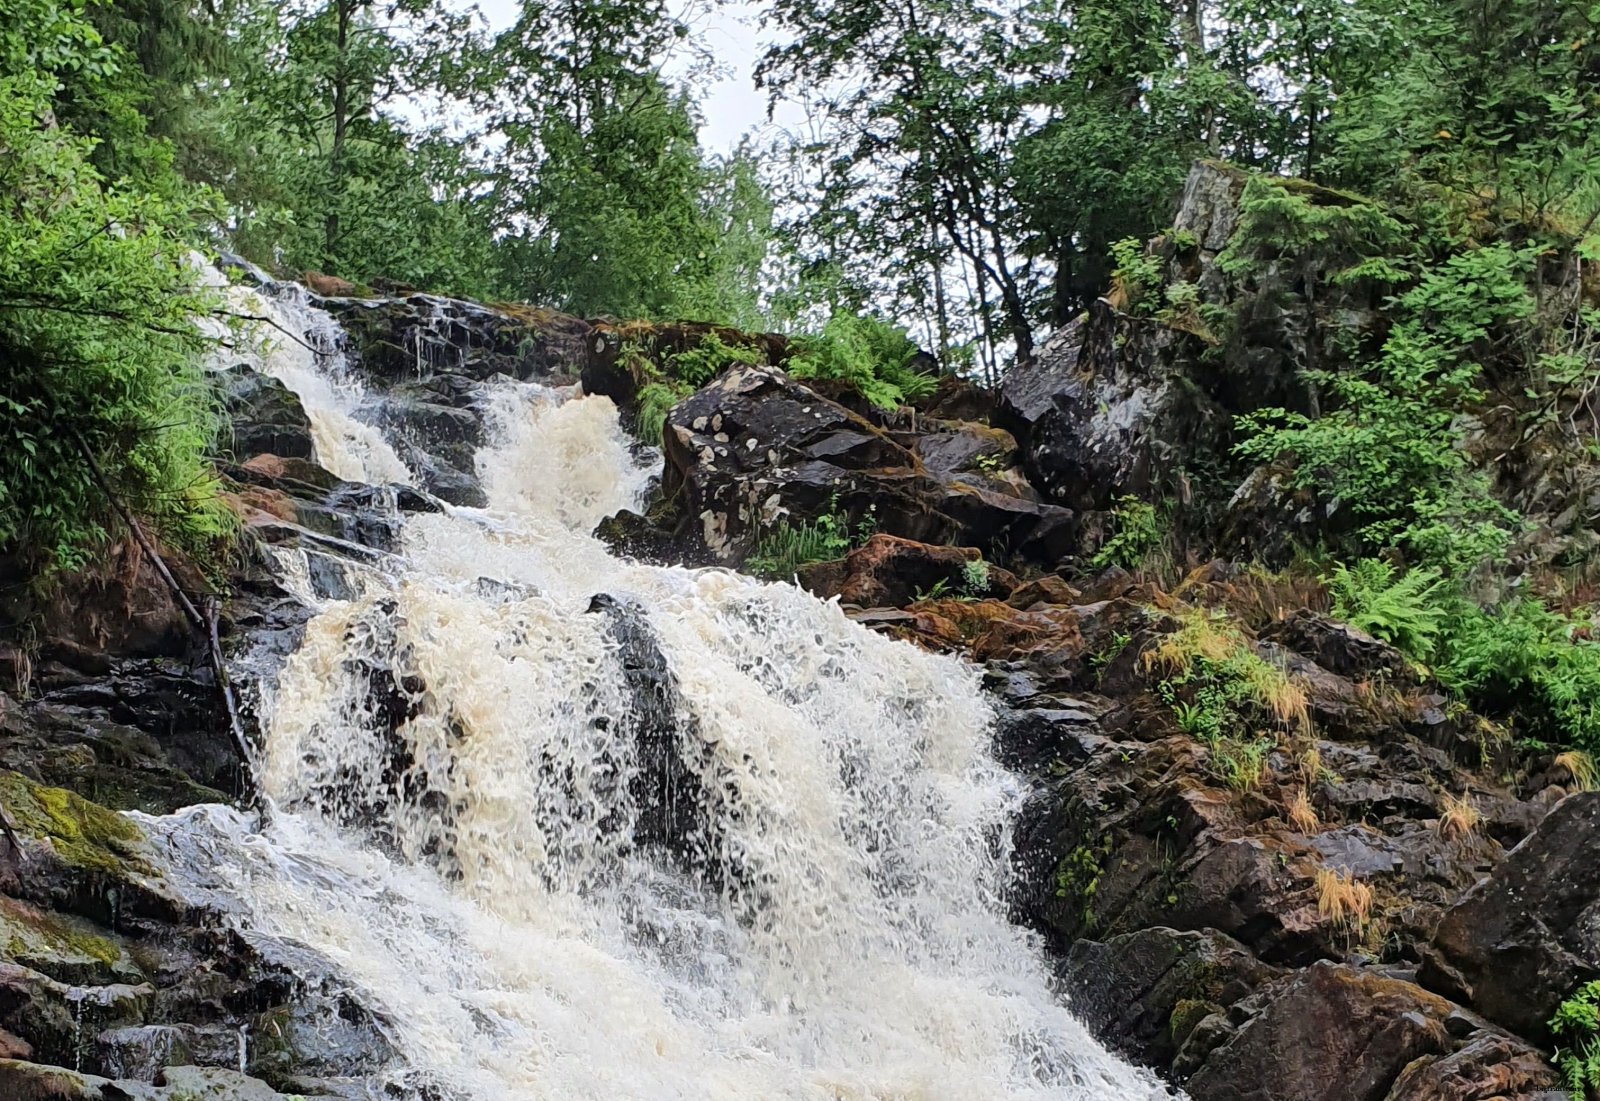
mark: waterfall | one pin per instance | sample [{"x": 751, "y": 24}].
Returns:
[{"x": 701, "y": 838}]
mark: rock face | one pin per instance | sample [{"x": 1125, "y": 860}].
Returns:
[
  {"x": 1194, "y": 912},
  {"x": 1528, "y": 935},
  {"x": 265, "y": 415},
  {"x": 754, "y": 448}
]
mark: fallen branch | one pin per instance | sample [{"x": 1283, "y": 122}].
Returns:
[{"x": 205, "y": 626}]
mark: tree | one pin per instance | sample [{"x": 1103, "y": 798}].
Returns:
[{"x": 102, "y": 391}]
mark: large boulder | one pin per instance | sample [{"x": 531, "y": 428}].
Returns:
[
  {"x": 264, "y": 414},
  {"x": 1339, "y": 1033},
  {"x": 1523, "y": 938},
  {"x": 890, "y": 571},
  {"x": 755, "y": 448}
]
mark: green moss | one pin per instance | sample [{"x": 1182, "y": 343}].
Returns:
[
  {"x": 65, "y": 948},
  {"x": 1186, "y": 1014},
  {"x": 83, "y": 834}
]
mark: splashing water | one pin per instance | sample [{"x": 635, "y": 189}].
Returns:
[
  {"x": 458, "y": 830},
  {"x": 278, "y": 332}
]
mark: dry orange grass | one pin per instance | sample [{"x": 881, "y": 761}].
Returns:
[
  {"x": 1343, "y": 899},
  {"x": 1302, "y": 815},
  {"x": 1458, "y": 817},
  {"x": 1581, "y": 767}
]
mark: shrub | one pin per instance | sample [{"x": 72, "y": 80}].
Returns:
[
  {"x": 1525, "y": 658},
  {"x": 656, "y": 400},
  {"x": 709, "y": 358},
  {"x": 870, "y": 355},
  {"x": 1408, "y": 611}
]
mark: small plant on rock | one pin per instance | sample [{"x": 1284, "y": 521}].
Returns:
[
  {"x": 1407, "y": 610},
  {"x": 786, "y": 547},
  {"x": 975, "y": 577},
  {"x": 1214, "y": 680},
  {"x": 1138, "y": 532},
  {"x": 1458, "y": 817},
  {"x": 1302, "y": 815},
  {"x": 1581, "y": 767}
]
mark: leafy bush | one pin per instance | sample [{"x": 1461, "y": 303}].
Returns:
[
  {"x": 1408, "y": 611},
  {"x": 1577, "y": 1025},
  {"x": 1138, "y": 532},
  {"x": 975, "y": 577},
  {"x": 1525, "y": 658},
  {"x": 870, "y": 355},
  {"x": 1136, "y": 275},
  {"x": 1388, "y": 450},
  {"x": 97, "y": 337}
]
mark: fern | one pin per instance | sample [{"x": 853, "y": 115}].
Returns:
[
  {"x": 1577, "y": 1025},
  {"x": 1406, "y": 610},
  {"x": 655, "y": 401}
]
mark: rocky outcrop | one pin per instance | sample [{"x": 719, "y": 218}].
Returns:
[
  {"x": 1259, "y": 935},
  {"x": 264, "y": 415},
  {"x": 755, "y": 448},
  {"x": 1528, "y": 935},
  {"x": 888, "y": 570}
]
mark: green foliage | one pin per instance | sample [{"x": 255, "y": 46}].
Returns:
[
  {"x": 1239, "y": 762},
  {"x": 1577, "y": 1025},
  {"x": 784, "y": 548},
  {"x": 1137, "y": 274},
  {"x": 1390, "y": 450},
  {"x": 96, "y": 322},
  {"x": 709, "y": 358},
  {"x": 1138, "y": 531},
  {"x": 656, "y": 400},
  {"x": 1406, "y": 610},
  {"x": 871, "y": 355},
  {"x": 1524, "y": 658},
  {"x": 975, "y": 577},
  {"x": 1219, "y": 688}
]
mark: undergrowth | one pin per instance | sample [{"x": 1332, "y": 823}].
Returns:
[{"x": 787, "y": 546}]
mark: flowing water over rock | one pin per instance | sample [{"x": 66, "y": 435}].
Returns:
[{"x": 572, "y": 827}]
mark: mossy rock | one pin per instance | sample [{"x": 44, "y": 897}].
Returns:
[
  {"x": 66, "y": 949},
  {"x": 82, "y": 834}
]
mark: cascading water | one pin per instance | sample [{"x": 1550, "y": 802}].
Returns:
[{"x": 455, "y": 757}]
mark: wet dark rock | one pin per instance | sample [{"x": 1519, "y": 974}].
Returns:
[
  {"x": 415, "y": 337},
  {"x": 1336, "y": 647},
  {"x": 1528, "y": 934},
  {"x": 965, "y": 446},
  {"x": 754, "y": 448},
  {"x": 265, "y": 414},
  {"x": 1144, "y": 992},
  {"x": 668, "y": 751},
  {"x": 1337, "y": 1033}
]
